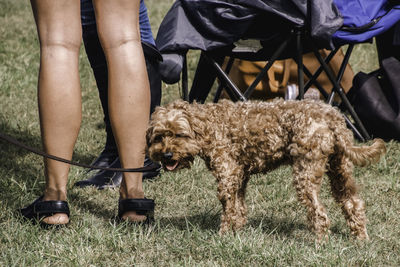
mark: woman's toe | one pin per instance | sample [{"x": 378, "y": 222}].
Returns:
[
  {"x": 57, "y": 219},
  {"x": 132, "y": 216}
]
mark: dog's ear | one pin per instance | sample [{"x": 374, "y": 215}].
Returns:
[
  {"x": 158, "y": 110},
  {"x": 149, "y": 133}
]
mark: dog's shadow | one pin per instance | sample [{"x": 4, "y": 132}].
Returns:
[
  {"x": 211, "y": 222},
  {"x": 203, "y": 221}
]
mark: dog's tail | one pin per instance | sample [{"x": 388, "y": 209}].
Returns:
[{"x": 363, "y": 155}]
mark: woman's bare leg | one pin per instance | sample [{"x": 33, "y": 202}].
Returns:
[
  {"x": 59, "y": 30},
  {"x": 129, "y": 92}
]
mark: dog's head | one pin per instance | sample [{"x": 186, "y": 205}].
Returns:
[{"x": 170, "y": 137}]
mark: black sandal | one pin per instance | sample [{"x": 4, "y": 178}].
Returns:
[
  {"x": 40, "y": 209},
  {"x": 141, "y": 206}
]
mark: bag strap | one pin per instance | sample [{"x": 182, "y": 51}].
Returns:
[{"x": 281, "y": 68}]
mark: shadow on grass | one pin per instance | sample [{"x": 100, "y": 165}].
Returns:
[
  {"x": 211, "y": 222},
  {"x": 92, "y": 206},
  {"x": 203, "y": 221},
  {"x": 24, "y": 172}
]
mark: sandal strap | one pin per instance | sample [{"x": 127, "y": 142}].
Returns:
[
  {"x": 39, "y": 209},
  {"x": 140, "y": 205},
  {"x": 51, "y": 207}
]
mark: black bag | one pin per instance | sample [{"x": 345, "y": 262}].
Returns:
[{"x": 376, "y": 99}]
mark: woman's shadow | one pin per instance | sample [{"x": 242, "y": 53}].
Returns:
[{"x": 20, "y": 176}]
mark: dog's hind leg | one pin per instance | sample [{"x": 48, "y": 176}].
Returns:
[
  {"x": 344, "y": 191},
  {"x": 307, "y": 181}
]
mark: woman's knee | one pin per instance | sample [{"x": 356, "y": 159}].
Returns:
[
  {"x": 117, "y": 22},
  {"x": 118, "y": 37},
  {"x": 61, "y": 38},
  {"x": 58, "y": 24},
  {"x": 62, "y": 45}
]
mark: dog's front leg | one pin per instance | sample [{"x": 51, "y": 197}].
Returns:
[{"x": 231, "y": 195}]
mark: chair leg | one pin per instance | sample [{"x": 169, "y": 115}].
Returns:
[
  {"x": 299, "y": 60},
  {"x": 204, "y": 78},
  {"x": 220, "y": 86},
  {"x": 185, "y": 94},
  {"x": 232, "y": 90},
  {"x": 313, "y": 77},
  {"x": 271, "y": 61},
  {"x": 316, "y": 83},
  {"x": 339, "y": 90},
  {"x": 354, "y": 129},
  {"x": 341, "y": 70}
]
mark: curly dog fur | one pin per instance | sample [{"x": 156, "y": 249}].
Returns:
[{"x": 240, "y": 139}]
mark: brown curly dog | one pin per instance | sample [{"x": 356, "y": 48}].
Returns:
[{"x": 243, "y": 138}]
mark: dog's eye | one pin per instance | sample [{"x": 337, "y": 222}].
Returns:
[
  {"x": 157, "y": 139},
  {"x": 180, "y": 136}
]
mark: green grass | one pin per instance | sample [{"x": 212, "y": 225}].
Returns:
[{"x": 187, "y": 211}]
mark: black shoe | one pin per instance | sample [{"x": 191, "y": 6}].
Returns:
[
  {"x": 103, "y": 179},
  {"x": 108, "y": 179},
  {"x": 106, "y": 158},
  {"x": 40, "y": 209},
  {"x": 142, "y": 206}
]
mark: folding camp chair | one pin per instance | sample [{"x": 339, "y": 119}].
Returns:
[{"x": 290, "y": 40}]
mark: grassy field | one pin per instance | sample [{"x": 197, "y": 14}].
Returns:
[{"x": 187, "y": 213}]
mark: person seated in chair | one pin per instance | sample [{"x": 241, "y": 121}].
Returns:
[{"x": 109, "y": 156}]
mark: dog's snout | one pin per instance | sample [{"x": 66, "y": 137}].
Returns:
[{"x": 168, "y": 155}]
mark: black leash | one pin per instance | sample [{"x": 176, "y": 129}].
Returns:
[{"x": 43, "y": 154}]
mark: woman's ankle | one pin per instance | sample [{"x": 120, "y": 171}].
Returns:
[
  {"x": 125, "y": 193},
  {"x": 131, "y": 186},
  {"x": 55, "y": 194}
]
